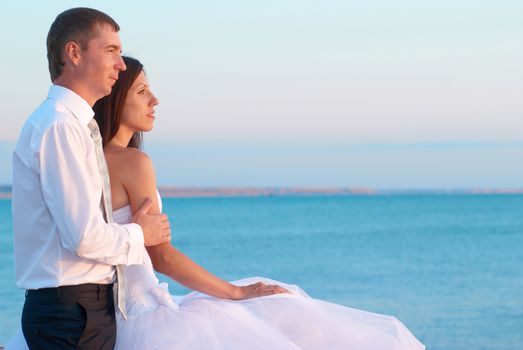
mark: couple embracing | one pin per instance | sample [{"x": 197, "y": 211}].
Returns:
[{"x": 89, "y": 233}]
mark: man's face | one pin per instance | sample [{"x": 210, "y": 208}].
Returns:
[{"x": 101, "y": 62}]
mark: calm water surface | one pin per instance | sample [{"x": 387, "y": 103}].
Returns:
[{"x": 449, "y": 266}]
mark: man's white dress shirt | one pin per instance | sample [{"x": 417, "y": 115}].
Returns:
[{"x": 60, "y": 235}]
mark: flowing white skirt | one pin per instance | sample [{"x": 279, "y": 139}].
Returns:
[
  {"x": 283, "y": 321},
  {"x": 157, "y": 320}
]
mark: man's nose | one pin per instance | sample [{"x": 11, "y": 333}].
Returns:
[{"x": 120, "y": 65}]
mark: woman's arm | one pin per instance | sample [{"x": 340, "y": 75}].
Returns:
[
  {"x": 140, "y": 183},
  {"x": 171, "y": 262}
]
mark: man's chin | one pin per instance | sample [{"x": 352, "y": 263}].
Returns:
[{"x": 107, "y": 91}]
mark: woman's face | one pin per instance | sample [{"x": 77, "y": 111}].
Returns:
[{"x": 138, "y": 109}]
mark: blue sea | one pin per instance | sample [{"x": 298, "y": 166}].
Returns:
[{"x": 449, "y": 266}]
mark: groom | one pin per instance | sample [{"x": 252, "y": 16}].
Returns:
[{"x": 65, "y": 251}]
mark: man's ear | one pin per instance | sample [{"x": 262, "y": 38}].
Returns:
[{"x": 72, "y": 52}]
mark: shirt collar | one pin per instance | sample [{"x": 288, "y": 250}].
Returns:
[{"x": 73, "y": 102}]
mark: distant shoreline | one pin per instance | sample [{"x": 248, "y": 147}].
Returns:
[{"x": 186, "y": 192}]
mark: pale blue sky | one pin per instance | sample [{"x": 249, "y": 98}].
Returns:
[{"x": 332, "y": 93}]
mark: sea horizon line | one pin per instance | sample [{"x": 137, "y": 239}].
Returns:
[{"x": 281, "y": 191}]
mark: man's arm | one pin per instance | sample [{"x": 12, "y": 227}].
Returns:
[{"x": 71, "y": 187}]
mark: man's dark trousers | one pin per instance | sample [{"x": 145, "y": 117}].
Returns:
[{"x": 70, "y": 317}]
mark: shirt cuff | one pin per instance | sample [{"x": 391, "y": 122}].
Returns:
[{"x": 137, "y": 253}]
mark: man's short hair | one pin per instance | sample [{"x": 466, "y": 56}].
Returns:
[{"x": 80, "y": 25}]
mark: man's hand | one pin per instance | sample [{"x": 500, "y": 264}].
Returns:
[{"x": 156, "y": 228}]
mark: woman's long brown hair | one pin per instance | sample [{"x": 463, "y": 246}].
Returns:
[{"x": 108, "y": 110}]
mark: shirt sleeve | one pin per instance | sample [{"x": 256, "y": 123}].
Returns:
[{"x": 72, "y": 188}]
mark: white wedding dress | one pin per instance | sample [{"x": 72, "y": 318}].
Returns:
[{"x": 158, "y": 320}]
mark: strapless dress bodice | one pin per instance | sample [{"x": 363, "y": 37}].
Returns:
[{"x": 143, "y": 291}]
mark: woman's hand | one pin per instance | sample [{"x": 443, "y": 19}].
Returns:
[{"x": 257, "y": 290}]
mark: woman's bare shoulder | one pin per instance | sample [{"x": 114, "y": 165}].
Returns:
[
  {"x": 127, "y": 159},
  {"x": 130, "y": 168},
  {"x": 132, "y": 177}
]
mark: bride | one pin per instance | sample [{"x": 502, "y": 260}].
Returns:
[{"x": 253, "y": 313}]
